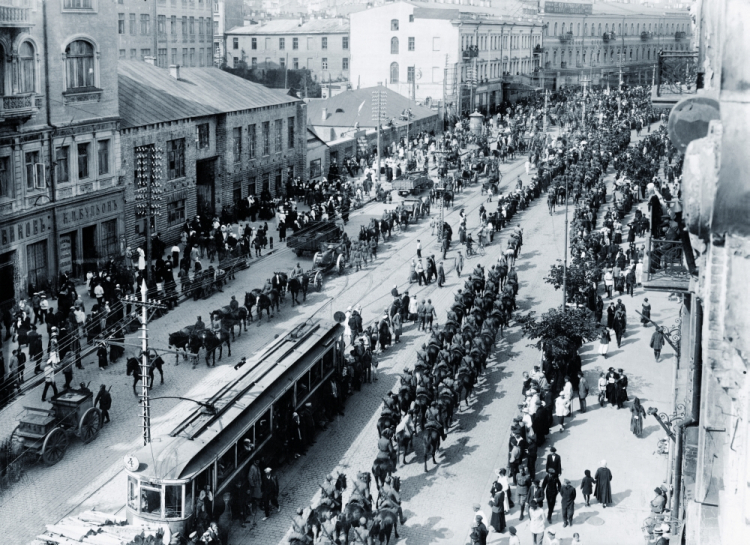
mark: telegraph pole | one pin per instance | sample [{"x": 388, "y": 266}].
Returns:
[
  {"x": 379, "y": 100},
  {"x": 565, "y": 246},
  {"x": 145, "y": 304}
]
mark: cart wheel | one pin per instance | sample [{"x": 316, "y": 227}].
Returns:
[
  {"x": 318, "y": 281},
  {"x": 91, "y": 423},
  {"x": 340, "y": 264},
  {"x": 54, "y": 447}
]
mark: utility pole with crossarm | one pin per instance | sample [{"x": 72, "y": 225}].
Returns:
[{"x": 145, "y": 304}]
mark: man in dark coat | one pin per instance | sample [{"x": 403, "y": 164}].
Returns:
[
  {"x": 554, "y": 462},
  {"x": 104, "y": 399},
  {"x": 567, "y": 500},
  {"x": 603, "y": 490},
  {"x": 551, "y": 486},
  {"x": 269, "y": 486},
  {"x": 35, "y": 349}
]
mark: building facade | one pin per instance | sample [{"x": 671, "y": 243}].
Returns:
[
  {"x": 458, "y": 54},
  {"x": 607, "y": 42},
  {"x": 61, "y": 204},
  {"x": 176, "y": 32},
  {"x": 319, "y": 45},
  {"x": 228, "y": 14},
  {"x": 206, "y": 139}
]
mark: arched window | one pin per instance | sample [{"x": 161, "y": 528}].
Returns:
[
  {"x": 554, "y": 58},
  {"x": 394, "y": 46},
  {"x": 394, "y": 24},
  {"x": 606, "y": 27},
  {"x": 555, "y": 29},
  {"x": 27, "y": 79},
  {"x": 578, "y": 29},
  {"x": 585, "y": 29},
  {"x": 648, "y": 54},
  {"x": 563, "y": 28},
  {"x": 619, "y": 28},
  {"x": 632, "y": 31},
  {"x": 597, "y": 55},
  {"x": 79, "y": 60},
  {"x": 638, "y": 28},
  {"x": 600, "y": 29},
  {"x": 2, "y": 71},
  {"x": 394, "y": 72}
]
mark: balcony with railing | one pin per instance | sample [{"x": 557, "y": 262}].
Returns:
[
  {"x": 667, "y": 269},
  {"x": 608, "y": 37},
  {"x": 679, "y": 35},
  {"x": 20, "y": 106},
  {"x": 15, "y": 17},
  {"x": 470, "y": 52},
  {"x": 646, "y": 36},
  {"x": 677, "y": 76},
  {"x": 565, "y": 38}
]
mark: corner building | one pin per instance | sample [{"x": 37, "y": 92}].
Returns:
[
  {"x": 212, "y": 137},
  {"x": 61, "y": 204},
  {"x": 463, "y": 56}
]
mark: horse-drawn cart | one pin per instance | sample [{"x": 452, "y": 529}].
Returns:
[
  {"x": 416, "y": 208},
  {"x": 312, "y": 235},
  {"x": 45, "y": 432},
  {"x": 413, "y": 184}
]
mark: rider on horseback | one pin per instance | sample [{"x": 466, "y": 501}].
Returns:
[
  {"x": 391, "y": 499},
  {"x": 331, "y": 494},
  {"x": 267, "y": 287},
  {"x": 297, "y": 271},
  {"x": 361, "y": 493}
]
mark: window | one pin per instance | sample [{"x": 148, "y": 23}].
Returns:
[
  {"x": 394, "y": 72},
  {"x": 254, "y": 43},
  {"x": 77, "y": 4},
  {"x": 133, "y": 54},
  {"x": 201, "y": 58},
  {"x": 411, "y": 18},
  {"x": 192, "y": 56},
  {"x": 237, "y": 144},
  {"x": 83, "y": 160},
  {"x": 324, "y": 63},
  {"x": 161, "y": 59},
  {"x": 282, "y": 62},
  {"x": 282, "y": 43},
  {"x": 394, "y": 46},
  {"x": 185, "y": 56},
  {"x": 203, "y": 136},
  {"x": 31, "y": 159},
  {"x": 200, "y": 29},
  {"x": 277, "y": 184},
  {"x": 251, "y": 186},
  {"x": 79, "y": 58},
  {"x": 345, "y": 63},
  {"x": 295, "y": 43},
  {"x": 290, "y": 133},
  {"x": 345, "y": 42},
  {"x": 27, "y": 83},
  {"x": 121, "y": 23},
  {"x": 122, "y": 54},
  {"x": 279, "y": 129},
  {"x": 6, "y": 180},
  {"x": 411, "y": 44},
  {"x": 145, "y": 24},
  {"x": 251, "y": 140},
  {"x": 266, "y": 138},
  {"x": 191, "y": 28},
  {"x": 103, "y": 156},
  {"x": 436, "y": 43},
  {"x": 235, "y": 43},
  {"x": 324, "y": 43},
  {"x": 295, "y": 63},
  {"x": 254, "y": 63},
  {"x": 161, "y": 24},
  {"x": 268, "y": 44},
  {"x": 394, "y": 24},
  {"x": 184, "y": 25},
  {"x": 556, "y": 28},
  {"x": 176, "y": 158},
  {"x": 145, "y": 53},
  {"x": 315, "y": 169},
  {"x": 176, "y": 212},
  {"x": 173, "y": 27},
  {"x": 36, "y": 263},
  {"x": 173, "y": 56},
  {"x": 409, "y": 74},
  {"x": 132, "y": 24}
]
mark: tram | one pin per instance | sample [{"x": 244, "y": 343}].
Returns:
[{"x": 213, "y": 445}]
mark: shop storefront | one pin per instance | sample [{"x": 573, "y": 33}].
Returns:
[
  {"x": 90, "y": 233},
  {"x": 26, "y": 256}
]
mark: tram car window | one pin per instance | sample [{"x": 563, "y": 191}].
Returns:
[
  {"x": 133, "y": 493},
  {"x": 150, "y": 500},
  {"x": 263, "y": 428},
  {"x": 173, "y": 501}
]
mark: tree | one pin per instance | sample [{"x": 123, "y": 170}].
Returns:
[
  {"x": 580, "y": 275},
  {"x": 275, "y": 78},
  {"x": 560, "y": 333}
]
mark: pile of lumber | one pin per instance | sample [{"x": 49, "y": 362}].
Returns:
[{"x": 98, "y": 528}]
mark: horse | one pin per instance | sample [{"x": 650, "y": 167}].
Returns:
[
  {"x": 213, "y": 340},
  {"x": 381, "y": 468},
  {"x": 465, "y": 379},
  {"x": 134, "y": 366},
  {"x": 404, "y": 436},
  {"x": 231, "y": 319},
  {"x": 386, "y": 420},
  {"x": 431, "y": 440},
  {"x": 296, "y": 285},
  {"x": 264, "y": 302}
]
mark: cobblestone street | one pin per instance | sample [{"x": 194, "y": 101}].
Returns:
[{"x": 438, "y": 502}]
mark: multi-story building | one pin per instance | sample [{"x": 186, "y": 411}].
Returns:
[
  {"x": 61, "y": 204},
  {"x": 607, "y": 42},
  {"x": 319, "y": 45},
  {"x": 213, "y": 139},
  {"x": 441, "y": 52},
  {"x": 176, "y": 32},
  {"x": 228, "y": 14}
]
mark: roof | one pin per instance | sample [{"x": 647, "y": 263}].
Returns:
[
  {"x": 508, "y": 9},
  {"x": 149, "y": 95},
  {"x": 355, "y": 106},
  {"x": 292, "y": 26}
]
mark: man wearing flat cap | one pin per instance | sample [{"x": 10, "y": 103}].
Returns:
[
  {"x": 567, "y": 501},
  {"x": 551, "y": 486}
]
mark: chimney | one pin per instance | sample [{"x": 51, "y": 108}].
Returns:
[
  {"x": 301, "y": 20},
  {"x": 325, "y": 114},
  {"x": 150, "y": 60},
  {"x": 174, "y": 71}
]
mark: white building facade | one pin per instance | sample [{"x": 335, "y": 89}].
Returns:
[{"x": 459, "y": 55}]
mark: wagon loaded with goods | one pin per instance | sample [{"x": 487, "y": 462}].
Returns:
[
  {"x": 311, "y": 236},
  {"x": 45, "y": 433},
  {"x": 413, "y": 184}
]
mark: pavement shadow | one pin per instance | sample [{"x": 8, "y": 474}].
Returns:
[
  {"x": 582, "y": 517},
  {"x": 649, "y": 430},
  {"x": 621, "y": 496},
  {"x": 429, "y": 532}
]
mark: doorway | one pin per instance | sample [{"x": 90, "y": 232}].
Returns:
[
  {"x": 88, "y": 236},
  {"x": 7, "y": 272},
  {"x": 205, "y": 181},
  {"x": 68, "y": 255}
]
